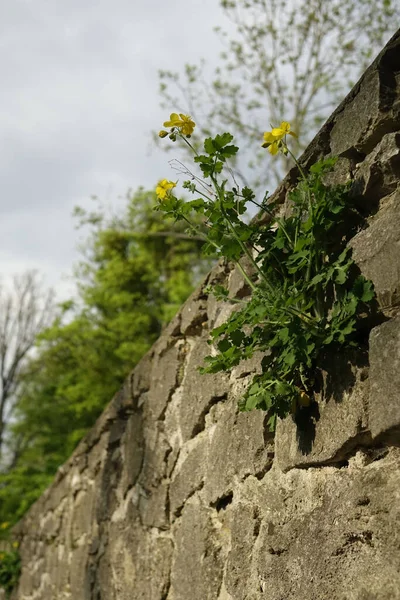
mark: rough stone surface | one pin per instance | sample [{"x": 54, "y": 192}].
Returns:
[
  {"x": 197, "y": 562},
  {"x": 376, "y": 250},
  {"x": 326, "y": 432},
  {"x": 384, "y": 397},
  {"x": 173, "y": 495}
]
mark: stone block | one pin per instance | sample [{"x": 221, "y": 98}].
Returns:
[
  {"x": 376, "y": 251},
  {"x": 152, "y": 568},
  {"x": 163, "y": 378},
  {"x": 153, "y": 506},
  {"x": 197, "y": 564},
  {"x": 136, "y": 565},
  {"x": 244, "y": 531},
  {"x": 239, "y": 446},
  {"x": 188, "y": 475},
  {"x": 384, "y": 396},
  {"x": 194, "y": 314},
  {"x": 132, "y": 448},
  {"x": 378, "y": 175},
  {"x": 352, "y": 125},
  {"x": 328, "y": 430},
  {"x": 153, "y": 468},
  {"x": 199, "y": 392},
  {"x": 373, "y": 107},
  {"x": 330, "y": 534}
]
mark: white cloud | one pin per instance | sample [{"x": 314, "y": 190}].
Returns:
[{"x": 79, "y": 99}]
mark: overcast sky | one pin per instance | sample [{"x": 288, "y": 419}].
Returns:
[{"x": 78, "y": 102}]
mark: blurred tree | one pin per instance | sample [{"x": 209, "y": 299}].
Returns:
[
  {"x": 136, "y": 272},
  {"x": 291, "y": 60},
  {"x": 25, "y": 310}
]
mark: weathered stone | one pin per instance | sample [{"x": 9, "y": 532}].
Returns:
[
  {"x": 384, "y": 396},
  {"x": 376, "y": 250},
  {"x": 136, "y": 565},
  {"x": 194, "y": 314},
  {"x": 329, "y": 534},
  {"x": 377, "y": 176},
  {"x": 197, "y": 565},
  {"x": 152, "y": 568},
  {"x": 188, "y": 475},
  {"x": 245, "y": 529},
  {"x": 79, "y": 584},
  {"x": 140, "y": 376},
  {"x": 153, "y": 506},
  {"x": 373, "y": 111},
  {"x": 132, "y": 450},
  {"x": 239, "y": 446},
  {"x": 329, "y": 430},
  {"x": 164, "y": 373},
  {"x": 154, "y": 464},
  {"x": 82, "y": 514},
  {"x": 199, "y": 392}
]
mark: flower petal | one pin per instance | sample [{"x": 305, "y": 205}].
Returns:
[
  {"x": 174, "y": 121},
  {"x": 278, "y": 133},
  {"x": 273, "y": 149},
  {"x": 285, "y": 126},
  {"x": 268, "y": 137}
]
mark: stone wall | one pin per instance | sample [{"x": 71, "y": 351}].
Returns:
[{"x": 174, "y": 495}]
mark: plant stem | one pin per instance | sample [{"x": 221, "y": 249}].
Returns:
[{"x": 188, "y": 143}]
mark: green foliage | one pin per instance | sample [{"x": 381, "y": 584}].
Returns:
[
  {"x": 281, "y": 57},
  {"x": 10, "y": 567},
  {"x": 307, "y": 297},
  {"x": 137, "y": 270}
]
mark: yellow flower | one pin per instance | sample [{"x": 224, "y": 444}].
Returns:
[
  {"x": 15, "y": 545},
  {"x": 183, "y": 122},
  {"x": 2, "y": 555},
  {"x": 163, "y": 187},
  {"x": 284, "y": 129},
  {"x": 270, "y": 142},
  {"x": 4, "y": 525},
  {"x": 273, "y": 139}
]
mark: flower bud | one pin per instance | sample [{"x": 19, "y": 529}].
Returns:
[{"x": 162, "y": 133}]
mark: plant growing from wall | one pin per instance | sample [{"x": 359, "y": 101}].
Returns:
[{"x": 306, "y": 297}]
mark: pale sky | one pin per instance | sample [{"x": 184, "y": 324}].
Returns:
[{"x": 78, "y": 102}]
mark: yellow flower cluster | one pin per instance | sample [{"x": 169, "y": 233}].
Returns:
[
  {"x": 163, "y": 188},
  {"x": 182, "y": 122},
  {"x": 273, "y": 139}
]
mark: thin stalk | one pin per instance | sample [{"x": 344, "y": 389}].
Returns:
[
  {"x": 188, "y": 143},
  {"x": 206, "y": 239},
  {"x": 310, "y": 208},
  {"x": 200, "y": 233},
  {"x": 237, "y": 238}
]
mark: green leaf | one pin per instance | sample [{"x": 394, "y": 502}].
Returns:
[
  {"x": 224, "y": 345},
  {"x": 341, "y": 275},
  {"x": 363, "y": 289},
  {"x": 237, "y": 336},
  {"x": 222, "y": 140},
  {"x": 229, "y": 151},
  {"x": 209, "y": 146}
]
